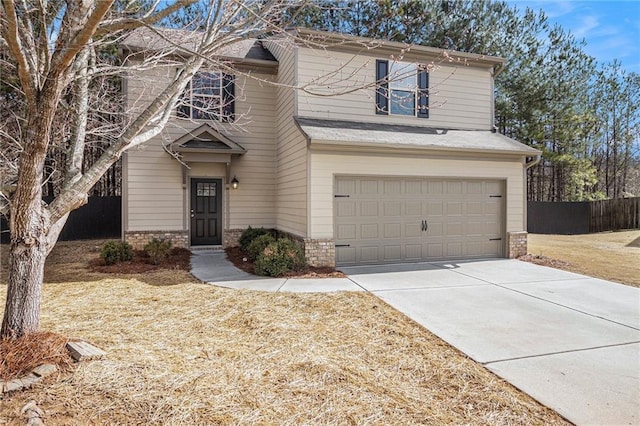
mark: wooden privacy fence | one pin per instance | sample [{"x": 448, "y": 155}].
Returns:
[
  {"x": 583, "y": 217},
  {"x": 101, "y": 217},
  {"x": 611, "y": 215}
]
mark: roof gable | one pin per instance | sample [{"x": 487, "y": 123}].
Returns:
[
  {"x": 205, "y": 144},
  {"x": 206, "y": 139}
]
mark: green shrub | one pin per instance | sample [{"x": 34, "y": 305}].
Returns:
[
  {"x": 258, "y": 245},
  {"x": 279, "y": 258},
  {"x": 157, "y": 250},
  {"x": 249, "y": 235},
  {"x": 113, "y": 252}
]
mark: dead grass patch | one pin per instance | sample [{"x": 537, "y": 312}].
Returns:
[
  {"x": 80, "y": 261},
  {"x": 20, "y": 356},
  {"x": 198, "y": 354},
  {"x": 607, "y": 255}
]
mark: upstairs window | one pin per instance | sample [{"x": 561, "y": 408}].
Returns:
[
  {"x": 209, "y": 96},
  {"x": 402, "y": 89}
]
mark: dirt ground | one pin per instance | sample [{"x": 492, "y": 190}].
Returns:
[
  {"x": 190, "y": 353},
  {"x": 612, "y": 256}
]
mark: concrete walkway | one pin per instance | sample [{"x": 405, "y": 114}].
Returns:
[
  {"x": 570, "y": 341},
  {"x": 214, "y": 268}
]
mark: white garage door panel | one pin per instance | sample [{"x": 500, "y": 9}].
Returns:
[{"x": 380, "y": 220}]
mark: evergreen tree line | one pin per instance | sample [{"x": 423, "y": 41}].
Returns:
[
  {"x": 551, "y": 95},
  {"x": 583, "y": 115}
]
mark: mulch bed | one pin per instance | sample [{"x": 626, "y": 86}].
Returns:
[
  {"x": 179, "y": 258},
  {"x": 242, "y": 261},
  {"x": 545, "y": 261}
]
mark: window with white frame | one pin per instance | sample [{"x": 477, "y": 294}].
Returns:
[{"x": 402, "y": 89}]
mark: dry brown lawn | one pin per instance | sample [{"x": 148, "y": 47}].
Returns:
[
  {"x": 191, "y": 353},
  {"x": 69, "y": 261},
  {"x": 612, "y": 256}
]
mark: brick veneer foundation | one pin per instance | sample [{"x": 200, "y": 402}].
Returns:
[
  {"x": 517, "y": 244},
  {"x": 138, "y": 239},
  {"x": 231, "y": 237},
  {"x": 320, "y": 252},
  {"x": 317, "y": 252}
]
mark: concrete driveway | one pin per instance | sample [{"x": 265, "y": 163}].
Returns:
[{"x": 570, "y": 341}]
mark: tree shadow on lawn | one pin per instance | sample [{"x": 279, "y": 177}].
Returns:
[{"x": 634, "y": 243}]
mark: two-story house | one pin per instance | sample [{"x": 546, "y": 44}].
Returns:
[{"x": 368, "y": 152}]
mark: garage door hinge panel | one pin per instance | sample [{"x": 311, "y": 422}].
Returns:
[{"x": 341, "y": 196}]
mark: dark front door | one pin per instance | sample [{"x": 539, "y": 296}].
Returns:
[{"x": 206, "y": 212}]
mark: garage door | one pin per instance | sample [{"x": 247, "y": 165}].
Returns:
[{"x": 385, "y": 220}]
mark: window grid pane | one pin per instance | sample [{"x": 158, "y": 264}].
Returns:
[
  {"x": 403, "y": 84},
  {"x": 203, "y": 99},
  {"x": 403, "y": 76},
  {"x": 403, "y": 103},
  {"x": 206, "y": 189}
]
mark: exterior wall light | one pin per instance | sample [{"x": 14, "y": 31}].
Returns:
[{"x": 235, "y": 182}]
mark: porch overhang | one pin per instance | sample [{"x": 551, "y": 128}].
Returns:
[
  {"x": 354, "y": 136},
  {"x": 205, "y": 145}
]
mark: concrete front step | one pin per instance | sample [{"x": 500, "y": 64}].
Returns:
[{"x": 216, "y": 249}]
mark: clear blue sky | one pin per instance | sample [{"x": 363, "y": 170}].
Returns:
[{"x": 610, "y": 28}]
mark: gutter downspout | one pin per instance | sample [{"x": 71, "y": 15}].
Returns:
[{"x": 498, "y": 69}]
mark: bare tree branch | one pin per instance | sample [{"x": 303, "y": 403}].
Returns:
[
  {"x": 10, "y": 30},
  {"x": 151, "y": 17},
  {"x": 77, "y": 32}
]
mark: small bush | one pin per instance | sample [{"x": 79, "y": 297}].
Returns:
[
  {"x": 157, "y": 250},
  {"x": 258, "y": 245},
  {"x": 249, "y": 235},
  {"x": 113, "y": 252},
  {"x": 279, "y": 258}
]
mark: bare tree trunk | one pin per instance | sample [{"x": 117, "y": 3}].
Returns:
[
  {"x": 29, "y": 221},
  {"x": 22, "y": 310}
]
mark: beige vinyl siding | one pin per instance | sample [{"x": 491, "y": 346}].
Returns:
[
  {"x": 154, "y": 180},
  {"x": 155, "y": 196},
  {"x": 460, "y": 95},
  {"x": 291, "y": 163},
  {"x": 325, "y": 166}
]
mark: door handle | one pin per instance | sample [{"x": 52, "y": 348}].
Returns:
[{"x": 425, "y": 225}]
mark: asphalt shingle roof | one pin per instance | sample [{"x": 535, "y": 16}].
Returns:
[{"x": 339, "y": 132}]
